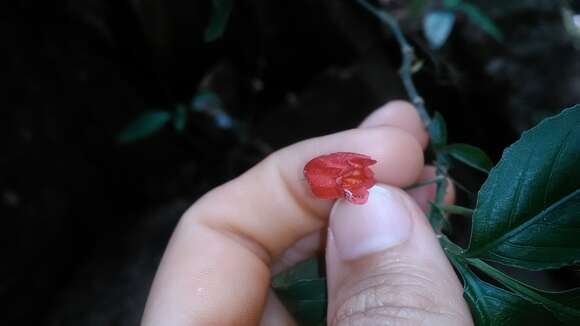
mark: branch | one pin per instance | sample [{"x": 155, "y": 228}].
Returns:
[
  {"x": 408, "y": 54},
  {"x": 405, "y": 72}
]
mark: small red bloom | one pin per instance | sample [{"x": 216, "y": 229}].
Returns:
[{"x": 339, "y": 175}]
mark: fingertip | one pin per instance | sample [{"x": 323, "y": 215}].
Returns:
[{"x": 400, "y": 114}]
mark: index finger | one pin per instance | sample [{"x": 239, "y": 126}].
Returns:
[{"x": 216, "y": 267}]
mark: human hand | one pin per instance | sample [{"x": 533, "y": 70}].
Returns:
[{"x": 384, "y": 263}]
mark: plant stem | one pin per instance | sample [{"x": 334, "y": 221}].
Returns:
[
  {"x": 423, "y": 183},
  {"x": 459, "y": 210},
  {"x": 406, "y": 74},
  {"x": 408, "y": 54}
]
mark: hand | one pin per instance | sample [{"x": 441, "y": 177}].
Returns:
[{"x": 384, "y": 264}]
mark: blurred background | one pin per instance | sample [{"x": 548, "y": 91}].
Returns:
[{"x": 118, "y": 114}]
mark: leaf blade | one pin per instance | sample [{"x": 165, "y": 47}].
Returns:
[
  {"x": 145, "y": 125},
  {"x": 470, "y": 155},
  {"x": 302, "y": 289},
  {"x": 491, "y": 305},
  {"x": 180, "y": 119},
  {"x": 221, "y": 10},
  {"x": 565, "y": 305},
  {"x": 482, "y": 20},
  {"x": 533, "y": 190},
  {"x": 438, "y": 130}
]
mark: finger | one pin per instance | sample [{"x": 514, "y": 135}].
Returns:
[
  {"x": 301, "y": 250},
  {"x": 400, "y": 114},
  {"x": 425, "y": 195},
  {"x": 385, "y": 266},
  {"x": 275, "y": 314},
  {"x": 220, "y": 253}
]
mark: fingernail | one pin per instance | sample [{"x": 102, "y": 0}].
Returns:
[{"x": 379, "y": 224}]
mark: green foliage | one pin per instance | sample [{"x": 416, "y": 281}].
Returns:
[
  {"x": 302, "y": 289},
  {"x": 437, "y": 26},
  {"x": 145, "y": 125},
  {"x": 528, "y": 210},
  {"x": 438, "y": 130},
  {"x": 206, "y": 101},
  {"x": 527, "y": 215},
  {"x": 470, "y": 155},
  {"x": 221, "y": 10},
  {"x": 479, "y": 18},
  {"x": 491, "y": 305},
  {"x": 180, "y": 119},
  {"x": 451, "y": 3},
  {"x": 564, "y": 305}
]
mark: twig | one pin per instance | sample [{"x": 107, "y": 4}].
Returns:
[
  {"x": 459, "y": 210},
  {"x": 408, "y": 54},
  {"x": 423, "y": 183},
  {"x": 405, "y": 72}
]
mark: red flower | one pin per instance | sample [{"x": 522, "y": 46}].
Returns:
[{"x": 339, "y": 175}]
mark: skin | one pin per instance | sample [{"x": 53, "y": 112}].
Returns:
[{"x": 218, "y": 264}]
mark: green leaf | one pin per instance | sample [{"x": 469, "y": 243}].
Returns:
[
  {"x": 438, "y": 130},
  {"x": 528, "y": 210},
  {"x": 303, "y": 291},
  {"x": 493, "y": 306},
  {"x": 205, "y": 101},
  {"x": 437, "y": 26},
  {"x": 565, "y": 305},
  {"x": 470, "y": 155},
  {"x": 221, "y": 10},
  {"x": 145, "y": 125},
  {"x": 569, "y": 301},
  {"x": 482, "y": 20},
  {"x": 180, "y": 118},
  {"x": 489, "y": 304},
  {"x": 451, "y": 4}
]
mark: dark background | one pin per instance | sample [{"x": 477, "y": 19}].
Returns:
[{"x": 85, "y": 220}]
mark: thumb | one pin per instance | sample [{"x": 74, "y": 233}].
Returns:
[{"x": 385, "y": 266}]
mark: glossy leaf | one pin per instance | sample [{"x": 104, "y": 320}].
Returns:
[
  {"x": 437, "y": 26},
  {"x": 221, "y": 10},
  {"x": 528, "y": 210},
  {"x": 479, "y": 18},
  {"x": 438, "y": 130},
  {"x": 494, "y": 306},
  {"x": 180, "y": 118},
  {"x": 470, "y": 155},
  {"x": 302, "y": 290},
  {"x": 565, "y": 305},
  {"x": 145, "y": 125}
]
